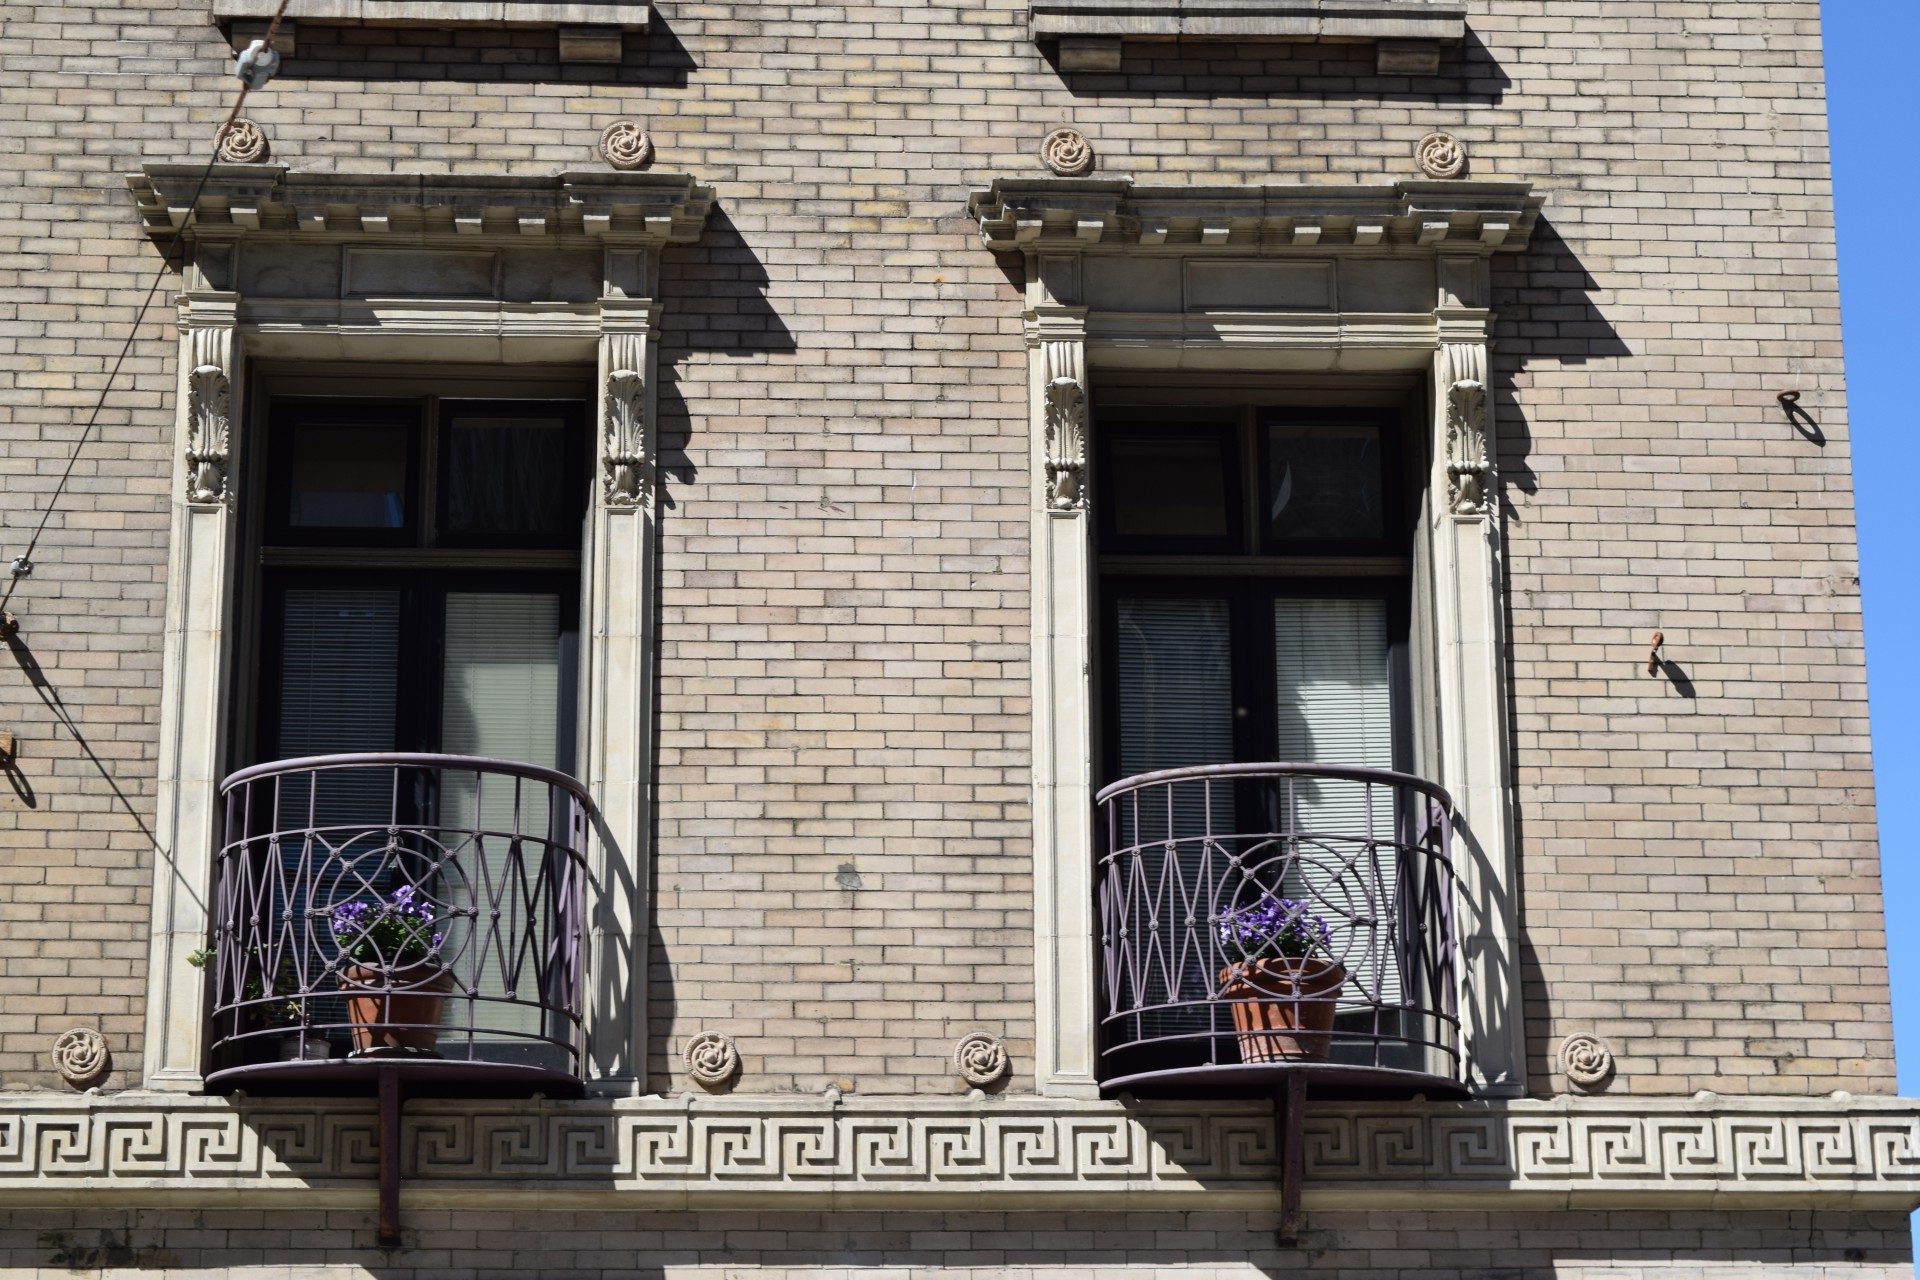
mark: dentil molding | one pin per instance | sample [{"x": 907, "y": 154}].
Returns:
[
  {"x": 242, "y": 199},
  {"x": 1007, "y": 1153},
  {"x": 1482, "y": 217}
]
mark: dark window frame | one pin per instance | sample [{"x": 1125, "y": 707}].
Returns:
[
  {"x": 418, "y": 559},
  {"x": 1249, "y": 590}
]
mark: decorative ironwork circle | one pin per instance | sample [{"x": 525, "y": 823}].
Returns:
[
  {"x": 244, "y": 142},
  {"x": 980, "y": 1059},
  {"x": 625, "y": 145},
  {"x": 1441, "y": 155},
  {"x": 1587, "y": 1061},
  {"x": 1067, "y": 152},
  {"x": 711, "y": 1058},
  {"x": 81, "y": 1056}
]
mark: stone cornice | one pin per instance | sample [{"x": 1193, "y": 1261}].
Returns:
[
  {"x": 1069, "y": 214},
  {"x": 1251, "y": 19},
  {"x": 255, "y": 199},
  {"x": 1006, "y": 1153}
]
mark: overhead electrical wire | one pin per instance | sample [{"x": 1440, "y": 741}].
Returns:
[{"x": 254, "y": 67}]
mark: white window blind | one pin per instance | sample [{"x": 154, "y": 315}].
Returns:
[
  {"x": 339, "y": 673},
  {"x": 1176, "y": 709},
  {"x": 1335, "y": 707},
  {"x": 1176, "y": 684},
  {"x": 500, "y": 698}
]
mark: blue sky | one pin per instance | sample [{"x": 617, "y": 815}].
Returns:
[{"x": 1877, "y": 176}]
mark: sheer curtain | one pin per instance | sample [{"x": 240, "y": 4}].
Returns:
[
  {"x": 1334, "y": 706},
  {"x": 501, "y": 685}
]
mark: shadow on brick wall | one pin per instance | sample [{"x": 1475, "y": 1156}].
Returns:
[
  {"x": 1547, "y": 320},
  {"x": 653, "y": 59},
  {"x": 717, "y": 301},
  {"x": 1313, "y": 73}
]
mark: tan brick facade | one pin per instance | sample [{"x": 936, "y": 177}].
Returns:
[
  {"x": 1645, "y": 1245},
  {"x": 842, "y": 871}
]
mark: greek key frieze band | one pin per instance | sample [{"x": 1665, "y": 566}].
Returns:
[{"x": 1857, "y": 1149}]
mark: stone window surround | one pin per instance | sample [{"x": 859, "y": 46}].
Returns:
[
  {"x": 425, "y": 268},
  {"x": 1348, "y": 281}
]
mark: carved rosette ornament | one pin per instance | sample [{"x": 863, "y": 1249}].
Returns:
[
  {"x": 624, "y": 447},
  {"x": 1469, "y": 460},
  {"x": 81, "y": 1056},
  {"x": 1066, "y": 445},
  {"x": 980, "y": 1059},
  {"x": 711, "y": 1058},
  {"x": 1587, "y": 1061},
  {"x": 243, "y": 142},
  {"x": 625, "y": 145},
  {"x": 1067, "y": 153},
  {"x": 208, "y": 429},
  {"x": 1441, "y": 155}
]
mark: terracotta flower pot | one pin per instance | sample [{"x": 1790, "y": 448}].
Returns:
[
  {"x": 407, "y": 1017},
  {"x": 1283, "y": 1006}
]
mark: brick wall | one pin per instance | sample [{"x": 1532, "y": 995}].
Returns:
[
  {"x": 843, "y": 612},
  {"x": 559, "y": 1245}
]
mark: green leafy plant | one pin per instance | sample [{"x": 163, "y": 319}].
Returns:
[
  {"x": 395, "y": 934},
  {"x": 271, "y": 1013}
]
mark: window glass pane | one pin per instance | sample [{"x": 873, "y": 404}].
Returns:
[
  {"x": 501, "y": 690},
  {"x": 1176, "y": 709},
  {"x": 347, "y": 476},
  {"x": 506, "y": 477},
  {"x": 339, "y": 671},
  {"x": 1335, "y": 707},
  {"x": 339, "y": 687},
  {"x": 1325, "y": 483},
  {"x": 1175, "y": 683},
  {"x": 500, "y": 687},
  {"x": 1330, "y": 669},
  {"x": 1168, "y": 487}
]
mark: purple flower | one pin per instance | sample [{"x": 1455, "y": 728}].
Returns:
[
  {"x": 1275, "y": 926},
  {"x": 392, "y": 934}
]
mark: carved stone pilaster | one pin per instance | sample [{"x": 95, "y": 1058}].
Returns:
[
  {"x": 209, "y": 414},
  {"x": 1064, "y": 983},
  {"x": 1066, "y": 444},
  {"x": 617, "y": 710},
  {"x": 627, "y": 472},
  {"x": 1470, "y": 472}
]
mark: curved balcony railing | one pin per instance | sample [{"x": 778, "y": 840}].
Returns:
[
  {"x": 1210, "y": 876},
  {"x": 399, "y": 907}
]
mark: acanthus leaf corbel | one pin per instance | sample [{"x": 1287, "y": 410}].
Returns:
[
  {"x": 1470, "y": 471},
  {"x": 1066, "y": 444},
  {"x": 209, "y": 416},
  {"x": 627, "y": 482}
]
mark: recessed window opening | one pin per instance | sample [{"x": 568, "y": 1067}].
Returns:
[{"x": 1255, "y": 582}]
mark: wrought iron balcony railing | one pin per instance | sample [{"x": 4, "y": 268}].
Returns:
[
  {"x": 399, "y": 909},
  {"x": 1262, "y": 920}
]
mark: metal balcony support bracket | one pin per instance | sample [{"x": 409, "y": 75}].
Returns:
[
  {"x": 390, "y": 1104},
  {"x": 1290, "y": 1117}
]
